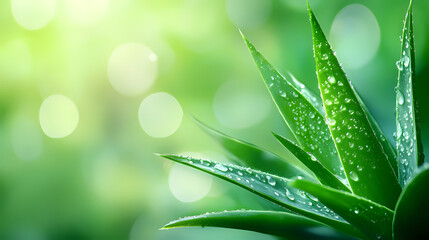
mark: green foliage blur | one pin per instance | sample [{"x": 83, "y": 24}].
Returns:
[{"x": 103, "y": 181}]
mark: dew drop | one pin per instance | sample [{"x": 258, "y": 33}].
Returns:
[
  {"x": 353, "y": 176},
  {"x": 356, "y": 211},
  {"x": 406, "y": 61},
  {"x": 331, "y": 79},
  {"x": 221, "y": 167},
  {"x": 398, "y": 130},
  {"x": 324, "y": 56},
  {"x": 289, "y": 195},
  {"x": 271, "y": 181},
  {"x": 331, "y": 121},
  {"x": 399, "y": 65},
  {"x": 400, "y": 97}
]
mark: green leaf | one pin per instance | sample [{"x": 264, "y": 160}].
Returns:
[
  {"x": 270, "y": 187},
  {"x": 367, "y": 167},
  {"x": 311, "y": 97},
  {"x": 303, "y": 119},
  {"x": 254, "y": 156},
  {"x": 371, "y": 218},
  {"x": 389, "y": 150},
  {"x": 411, "y": 218},
  {"x": 281, "y": 224},
  {"x": 323, "y": 175},
  {"x": 408, "y": 144}
]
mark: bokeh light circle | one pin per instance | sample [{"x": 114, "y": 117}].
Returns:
[
  {"x": 160, "y": 115},
  {"x": 86, "y": 11},
  {"x": 58, "y": 116},
  {"x": 132, "y": 68},
  {"x": 237, "y": 106},
  {"x": 248, "y": 13},
  {"x": 33, "y": 14},
  {"x": 355, "y": 36},
  {"x": 187, "y": 184}
]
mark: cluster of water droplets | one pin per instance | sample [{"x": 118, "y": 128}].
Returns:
[
  {"x": 344, "y": 116},
  {"x": 270, "y": 185},
  {"x": 304, "y": 119},
  {"x": 405, "y": 123}
]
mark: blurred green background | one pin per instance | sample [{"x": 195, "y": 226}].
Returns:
[{"x": 90, "y": 89}]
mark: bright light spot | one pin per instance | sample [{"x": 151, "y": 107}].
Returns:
[
  {"x": 355, "y": 36},
  {"x": 236, "y": 106},
  {"x": 26, "y": 139},
  {"x": 187, "y": 184},
  {"x": 33, "y": 14},
  {"x": 132, "y": 68},
  {"x": 160, "y": 115},
  {"x": 59, "y": 116},
  {"x": 248, "y": 13},
  {"x": 86, "y": 11}
]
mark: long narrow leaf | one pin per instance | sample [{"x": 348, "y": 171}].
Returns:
[
  {"x": 281, "y": 224},
  {"x": 409, "y": 144},
  {"x": 303, "y": 119},
  {"x": 253, "y": 156},
  {"x": 371, "y": 218},
  {"x": 389, "y": 150},
  {"x": 411, "y": 218},
  {"x": 323, "y": 175},
  {"x": 311, "y": 97},
  {"x": 367, "y": 167},
  {"x": 270, "y": 187}
]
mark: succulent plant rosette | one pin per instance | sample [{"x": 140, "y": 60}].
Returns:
[{"x": 352, "y": 183}]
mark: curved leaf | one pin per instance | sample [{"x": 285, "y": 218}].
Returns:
[
  {"x": 303, "y": 119},
  {"x": 387, "y": 146},
  {"x": 323, "y": 175},
  {"x": 367, "y": 167},
  {"x": 371, "y": 218},
  {"x": 408, "y": 144},
  {"x": 311, "y": 97},
  {"x": 281, "y": 224},
  {"x": 411, "y": 218},
  {"x": 270, "y": 187},
  {"x": 254, "y": 156}
]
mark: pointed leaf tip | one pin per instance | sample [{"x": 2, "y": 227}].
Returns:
[{"x": 360, "y": 151}]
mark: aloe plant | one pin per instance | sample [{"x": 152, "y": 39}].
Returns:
[{"x": 354, "y": 182}]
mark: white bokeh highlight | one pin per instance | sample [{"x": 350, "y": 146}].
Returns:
[
  {"x": 248, "y": 13},
  {"x": 58, "y": 116},
  {"x": 33, "y": 14},
  {"x": 86, "y": 12},
  {"x": 355, "y": 36},
  {"x": 132, "y": 68},
  {"x": 236, "y": 106},
  {"x": 187, "y": 184},
  {"x": 160, "y": 115}
]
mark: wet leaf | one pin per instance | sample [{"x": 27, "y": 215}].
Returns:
[
  {"x": 388, "y": 149},
  {"x": 367, "y": 167},
  {"x": 311, "y": 97},
  {"x": 411, "y": 218},
  {"x": 303, "y": 119},
  {"x": 323, "y": 175},
  {"x": 409, "y": 145},
  {"x": 371, "y": 218},
  {"x": 281, "y": 224},
  {"x": 270, "y": 187},
  {"x": 253, "y": 156}
]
